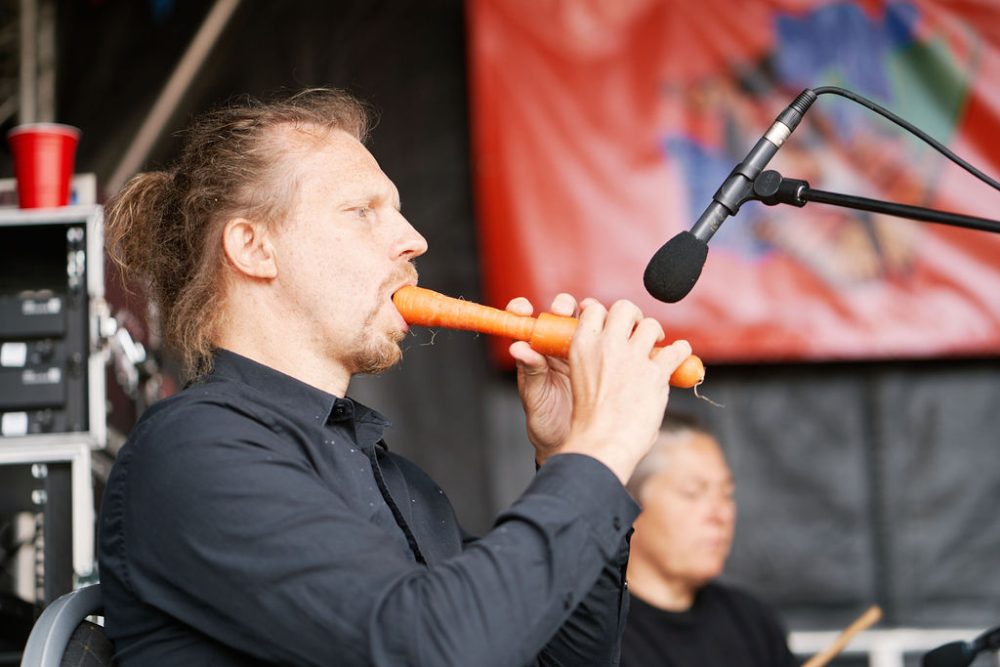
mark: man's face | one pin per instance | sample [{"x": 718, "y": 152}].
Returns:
[
  {"x": 688, "y": 515},
  {"x": 343, "y": 250}
]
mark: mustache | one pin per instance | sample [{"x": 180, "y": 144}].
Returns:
[{"x": 406, "y": 274}]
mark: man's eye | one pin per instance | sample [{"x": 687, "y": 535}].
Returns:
[{"x": 363, "y": 212}]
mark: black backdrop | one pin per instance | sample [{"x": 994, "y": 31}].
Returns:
[{"x": 857, "y": 483}]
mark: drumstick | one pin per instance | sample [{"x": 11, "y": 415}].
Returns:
[
  {"x": 863, "y": 622},
  {"x": 548, "y": 334}
]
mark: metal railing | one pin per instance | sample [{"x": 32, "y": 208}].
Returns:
[{"x": 883, "y": 648}]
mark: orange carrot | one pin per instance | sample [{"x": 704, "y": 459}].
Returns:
[
  {"x": 690, "y": 373},
  {"x": 548, "y": 334}
]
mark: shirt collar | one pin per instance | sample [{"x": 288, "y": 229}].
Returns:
[{"x": 292, "y": 394}]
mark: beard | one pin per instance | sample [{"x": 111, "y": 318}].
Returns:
[{"x": 378, "y": 352}]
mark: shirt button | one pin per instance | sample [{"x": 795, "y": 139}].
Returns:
[
  {"x": 617, "y": 523},
  {"x": 568, "y": 601}
]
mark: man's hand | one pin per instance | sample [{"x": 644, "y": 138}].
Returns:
[
  {"x": 610, "y": 406},
  {"x": 544, "y": 385},
  {"x": 620, "y": 385}
]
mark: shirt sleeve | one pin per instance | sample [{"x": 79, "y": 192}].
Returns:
[
  {"x": 592, "y": 635},
  {"x": 243, "y": 542}
]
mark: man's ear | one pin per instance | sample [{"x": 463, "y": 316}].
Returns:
[{"x": 248, "y": 248}]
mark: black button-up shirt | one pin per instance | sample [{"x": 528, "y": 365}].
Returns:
[{"x": 253, "y": 519}]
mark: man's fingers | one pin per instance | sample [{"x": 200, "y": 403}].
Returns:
[
  {"x": 528, "y": 361},
  {"x": 622, "y": 319},
  {"x": 592, "y": 319},
  {"x": 647, "y": 333},
  {"x": 671, "y": 356},
  {"x": 564, "y": 304},
  {"x": 520, "y": 306}
]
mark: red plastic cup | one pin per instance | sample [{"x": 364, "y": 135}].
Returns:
[{"x": 43, "y": 163}]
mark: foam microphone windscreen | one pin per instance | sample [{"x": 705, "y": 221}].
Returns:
[{"x": 675, "y": 267}]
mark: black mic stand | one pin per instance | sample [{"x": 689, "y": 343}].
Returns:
[{"x": 772, "y": 188}]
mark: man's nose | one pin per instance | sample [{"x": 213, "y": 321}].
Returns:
[
  {"x": 722, "y": 510},
  {"x": 410, "y": 243}
]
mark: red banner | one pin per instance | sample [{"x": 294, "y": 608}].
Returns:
[{"x": 602, "y": 128}]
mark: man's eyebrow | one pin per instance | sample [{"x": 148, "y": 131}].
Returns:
[
  {"x": 379, "y": 195},
  {"x": 386, "y": 193}
]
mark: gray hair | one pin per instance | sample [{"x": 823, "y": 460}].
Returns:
[{"x": 677, "y": 427}]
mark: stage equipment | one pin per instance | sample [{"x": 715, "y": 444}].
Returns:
[
  {"x": 676, "y": 266},
  {"x": 53, "y": 352}
]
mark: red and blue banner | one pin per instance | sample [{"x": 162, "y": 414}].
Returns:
[{"x": 601, "y": 128}]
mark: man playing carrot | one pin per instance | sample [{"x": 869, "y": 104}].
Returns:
[{"x": 257, "y": 516}]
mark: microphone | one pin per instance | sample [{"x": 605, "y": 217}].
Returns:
[
  {"x": 952, "y": 654},
  {"x": 676, "y": 266},
  {"x": 961, "y": 654}
]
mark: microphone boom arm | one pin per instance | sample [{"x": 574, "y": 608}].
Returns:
[{"x": 771, "y": 188}]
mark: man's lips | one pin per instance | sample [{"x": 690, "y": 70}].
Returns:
[
  {"x": 717, "y": 543},
  {"x": 411, "y": 283}
]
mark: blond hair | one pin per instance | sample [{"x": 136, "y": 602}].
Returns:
[{"x": 164, "y": 227}]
